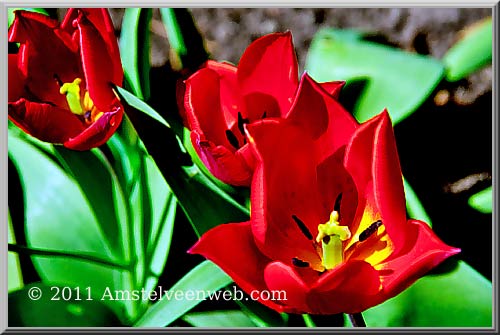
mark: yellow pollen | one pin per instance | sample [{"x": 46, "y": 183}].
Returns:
[{"x": 85, "y": 108}]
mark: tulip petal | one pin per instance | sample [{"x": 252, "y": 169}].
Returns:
[
  {"x": 97, "y": 64},
  {"x": 281, "y": 278},
  {"x": 422, "y": 252},
  {"x": 100, "y": 19},
  {"x": 45, "y": 51},
  {"x": 203, "y": 108},
  {"x": 333, "y": 88},
  {"x": 372, "y": 161},
  {"x": 269, "y": 67},
  {"x": 337, "y": 186},
  {"x": 231, "y": 246},
  {"x": 45, "y": 122},
  {"x": 388, "y": 182},
  {"x": 16, "y": 80},
  {"x": 229, "y": 167},
  {"x": 350, "y": 288},
  {"x": 286, "y": 207},
  {"x": 228, "y": 90},
  {"x": 98, "y": 132},
  {"x": 322, "y": 116}
]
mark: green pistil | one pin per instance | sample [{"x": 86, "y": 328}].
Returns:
[
  {"x": 72, "y": 92},
  {"x": 331, "y": 235}
]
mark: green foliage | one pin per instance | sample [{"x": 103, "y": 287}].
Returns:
[
  {"x": 135, "y": 47},
  {"x": 230, "y": 318},
  {"x": 482, "y": 201},
  {"x": 414, "y": 207},
  {"x": 396, "y": 80},
  {"x": 58, "y": 307},
  {"x": 472, "y": 51},
  {"x": 205, "y": 278},
  {"x": 457, "y": 298},
  {"x": 15, "y": 277}
]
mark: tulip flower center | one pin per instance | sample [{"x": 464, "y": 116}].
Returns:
[
  {"x": 331, "y": 235},
  {"x": 86, "y": 108}
]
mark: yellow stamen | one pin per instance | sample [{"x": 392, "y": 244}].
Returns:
[{"x": 331, "y": 234}]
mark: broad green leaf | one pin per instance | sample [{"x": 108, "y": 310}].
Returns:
[
  {"x": 15, "y": 277},
  {"x": 140, "y": 105},
  {"x": 201, "y": 281},
  {"x": 396, "y": 80},
  {"x": 459, "y": 298},
  {"x": 222, "y": 319},
  {"x": 100, "y": 186},
  {"x": 413, "y": 205},
  {"x": 58, "y": 307},
  {"x": 59, "y": 217},
  {"x": 135, "y": 49},
  {"x": 11, "y": 15},
  {"x": 482, "y": 201},
  {"x": 261, "y": 315},
  {"x": 472, "y": 51},
  {"x": 158, "y": 226}
]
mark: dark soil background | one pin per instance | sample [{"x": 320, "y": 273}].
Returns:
[{"x": 445, "y": 146}]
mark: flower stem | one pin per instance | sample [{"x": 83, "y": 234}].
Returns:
[
  {"x": 357, "y": 320},
  {"x": 308, "y": 321}
]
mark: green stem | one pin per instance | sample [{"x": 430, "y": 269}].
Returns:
[
  {"x": 357, "y": 320},
  {"x": 308, "y": 321}
]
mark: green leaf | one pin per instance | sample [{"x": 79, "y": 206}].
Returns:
[
  {"x": 152, "y": 205},
  {"x": 100, "y": 186},
  {"x": 396, "y": 80},
  {"x": 11, "y": 15},
  {"x": 205, "y": 205},
  {"x": 59, "y": 217},
  {"x": 15, "y": 277},
  {"x": 482, "y": 201},
  {"x": 472, "y": 51},
  {"x": 413, "y": 205},
  {"x": 205, "y": 279},
  {"x": 173, "y": 31},
  {"x": 58, "y": 307},
  {"x": 140, "y": 105},
  {"x": 222, "y": 319},
  {"x": 135, "y": 49},
  {"x": 458, "y": 298},
  {"x": 158, "y": 232}
]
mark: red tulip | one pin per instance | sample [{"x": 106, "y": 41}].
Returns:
[
  {"x": 221, "y": 98},
  {"x": 328, "y": 223},
  {"x": 60, "y": 82}
]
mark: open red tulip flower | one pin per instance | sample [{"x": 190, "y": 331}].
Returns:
[
  {"x": 221, "y": 98},
  {"x": 328, "y": 219},
  {"x": 60, "y": 81}
]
